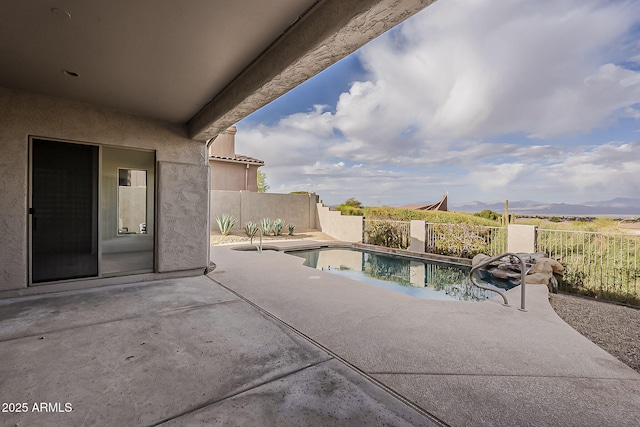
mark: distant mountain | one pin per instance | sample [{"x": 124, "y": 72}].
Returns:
[
  {"x": 617, "y": 206},
  {"x": 621, "y": 202}
]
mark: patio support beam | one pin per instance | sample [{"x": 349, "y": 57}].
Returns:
[{"x": 331, "y": 30}]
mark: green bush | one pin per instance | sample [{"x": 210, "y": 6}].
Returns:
[
  {"x": 352, "y": 202},
  {"x": 291, "y": 228},
  {"x": 350, "y": 210},
  {"x": 387, "y": 233},
  {"x": 489, "y": 214},
  {"x": 467, "y": 240},
  {"x": 599, "y": 265},
  {"x": 399, "y": 214}
]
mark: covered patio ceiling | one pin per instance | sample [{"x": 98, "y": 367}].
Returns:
[{"x": 206, "y": 64}]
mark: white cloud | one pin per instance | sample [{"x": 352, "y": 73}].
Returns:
[
  {"x": 454, "y": 79},
  {"x": 500, "y": 176},
  {"x": 482, "y": 68},
  {"x": 609, "y": 167},
  {"x": 317, "y": 123}
]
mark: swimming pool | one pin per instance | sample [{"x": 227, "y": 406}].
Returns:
[{"x": 415, "y": 277}]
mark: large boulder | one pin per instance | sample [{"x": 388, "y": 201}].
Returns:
[
  {"x": 499, "y": 273},
  {"x": 556, "y": 266},
  {"x": 538, "y": 279},
  {"x": 542, "y": 265},
  {"x": 541, "y": 269},
  {"x": 478, "y": 259}
]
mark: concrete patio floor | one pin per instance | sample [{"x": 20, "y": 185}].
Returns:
[
  {"x": 176, "y": 352},
  {"x": 265, "y": 340}
]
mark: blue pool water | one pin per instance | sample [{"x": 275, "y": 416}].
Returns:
[{"x": 416, "y": 277}]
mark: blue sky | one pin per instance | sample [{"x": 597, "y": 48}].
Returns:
[{"x": 484, "y": 99}]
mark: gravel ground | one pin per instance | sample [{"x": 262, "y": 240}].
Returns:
[
  {"x": 615, "y": 328},
  {"x": 237, "y": 236}
]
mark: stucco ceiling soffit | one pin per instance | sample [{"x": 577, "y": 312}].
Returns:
[
  {"x": 330, "y": 31},
  {"x": 161, "y": 59}
]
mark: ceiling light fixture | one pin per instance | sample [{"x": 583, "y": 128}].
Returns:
[{"x": 70, "y": 73}]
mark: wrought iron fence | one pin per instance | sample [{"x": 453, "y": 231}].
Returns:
[
  {"x": 465, "y": 240},
  {"x": 382, "y": 232},
  {"x": 603, "y": 265}
]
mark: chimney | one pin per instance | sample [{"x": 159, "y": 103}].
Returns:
[{"x": 225, "y": 144}]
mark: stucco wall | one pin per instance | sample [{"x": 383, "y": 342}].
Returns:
[
  {"x": 417, "y": 236},
  {"x": 182, "y": 216},
  {"x": 521, "y": 238},
  {"x": 252, "y": 178},
  {"x": 333, "y": 223},
  {"x": 233, "y": 176},
  {"x": 23, "y": 115},
  {"x": 298, "y": 209}
]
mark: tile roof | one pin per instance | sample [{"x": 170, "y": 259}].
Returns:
[{"x": 239, "y": 158}]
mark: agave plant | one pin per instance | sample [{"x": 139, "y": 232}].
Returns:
[
  {"x": 250, "y": 228},
  {"x": 278, "y": 225},
  {"x": 291, "y": 227},
  {"x": 226, "y": 223},
  {"x": 266, "y": 225}
]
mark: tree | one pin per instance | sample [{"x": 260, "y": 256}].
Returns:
[
  {"x": 352, "y": 202},
  {"x": 263, "y": 187},
  {"x": 489, "y": 214}
]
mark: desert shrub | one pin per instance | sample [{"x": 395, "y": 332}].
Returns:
[
  {"x": 291, "y": 228},
  {"x": 464, "y": 240},
  {"x": 277, "y": 227},
  {"x": 489, "y": 214},
  {"x": 226, "y": 223},
  {"x": 250, "y": 228},
  {"x": 387, "y": 233},
  {"x": 398, "y": 214},
  {"x": 352, "y": 202},
  {"x": 350, "y": 210},
  {"x": 267, "y": 225}
]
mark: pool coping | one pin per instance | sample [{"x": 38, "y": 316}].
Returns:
[
  {"x": 413, "y": 254},
  {"x": 285, "y": 246},
  {"x": 288, "y": 245}
]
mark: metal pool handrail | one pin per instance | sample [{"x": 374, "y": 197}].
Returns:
[
  {"x": 523, "y": 275},
  {"x": 259, "y": 248}
]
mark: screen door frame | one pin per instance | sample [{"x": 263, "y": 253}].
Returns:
[{"x": 33, "y": 215}]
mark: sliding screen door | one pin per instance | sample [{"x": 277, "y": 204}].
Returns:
[{"x": 64, "y": 211}]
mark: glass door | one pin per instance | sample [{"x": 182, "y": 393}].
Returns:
[
  {"x": 64, "y": 211},
  {"x": 127, "y": 211}
]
